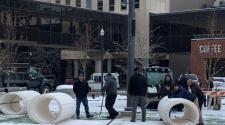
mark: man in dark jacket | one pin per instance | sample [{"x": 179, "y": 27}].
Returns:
[
  {"x": 183, "y": 81},
  {"x": 138, "y": 91},
  {"x": 81, "y": 89},
  {"x": 196, "y": 90},
  {"x": 180, "y": 92},
  {"x": 111, "y": 93}
]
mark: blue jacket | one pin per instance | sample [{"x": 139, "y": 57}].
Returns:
[{"x": 183, "y": 93}]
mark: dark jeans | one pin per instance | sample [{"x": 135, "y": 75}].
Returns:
[
  {"x": 109, "y": 102},
  {"x": 200, "y": 103},
  {"x": 141, "y": 100},
  {"x": 85, "y": 103}
]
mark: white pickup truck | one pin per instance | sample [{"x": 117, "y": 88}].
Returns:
[{"x": 95, "y": 81}]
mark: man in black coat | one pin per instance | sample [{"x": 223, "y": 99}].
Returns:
[
  {"x": 81, "y": 89},
  {"x": 138, "y": 91}
]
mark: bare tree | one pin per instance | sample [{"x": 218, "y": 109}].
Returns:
[
  {"x": 9, "y": 34},
  {"x": 47, "y": 59},
  {"x": 83, "y": 43},
  {"x": 144, "y": 51},
  {"x": 213, "y": 65}
]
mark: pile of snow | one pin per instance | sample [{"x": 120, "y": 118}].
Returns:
[{"x": 64, "y": 87}]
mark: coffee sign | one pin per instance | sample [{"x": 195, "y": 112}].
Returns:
[{"x": 210, "y": 49}]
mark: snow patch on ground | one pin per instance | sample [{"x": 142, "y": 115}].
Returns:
[
  {"x": 62, "y": 87},
  {"x": 211, "y": 117}
]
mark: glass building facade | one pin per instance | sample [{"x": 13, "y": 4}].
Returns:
[
  {"x": 46, "y": 23},
  {"x": 174, "y": 31}
]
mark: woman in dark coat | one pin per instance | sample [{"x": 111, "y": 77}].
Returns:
[{"x": 167, "y": 82}]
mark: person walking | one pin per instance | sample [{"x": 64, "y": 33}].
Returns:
[
  {"x": 111, "y": 93},
  {"x": 180, "y": 92},
  {"x": 81, "y": 89},
  {"x": 137, "y": 90}
]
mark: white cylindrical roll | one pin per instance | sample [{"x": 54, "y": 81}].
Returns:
[
  {"x": 39, "y": 111},
  {"x": 15, "y": 103},
  {"x": 191, "y": 112}
]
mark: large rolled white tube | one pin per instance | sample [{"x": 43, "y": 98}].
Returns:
[
  {"x": 191, "y": 112},
  {"x": 15, "y": 103},
  {"x": 39, "y": 111}
]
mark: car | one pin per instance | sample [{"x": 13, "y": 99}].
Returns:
[
  {"x": 219, "y": 83},
  {"x": 193, "y": 77},
  {"x": 23, "y": 75}
]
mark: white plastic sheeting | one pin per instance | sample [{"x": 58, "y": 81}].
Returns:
[
  {"x": 191, "y": 112},
  {"x": 15, "y": 103},
  {"x": 39, "y": 110}
]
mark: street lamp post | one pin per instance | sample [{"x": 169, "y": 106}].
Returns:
[
  {"x": 130, "y": 48},
  {"x": 102, "y": 33}
]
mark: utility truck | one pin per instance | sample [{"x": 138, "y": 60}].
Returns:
[
  {"x": 155, "y": 76},
  {"x": 18, "y": 76}
]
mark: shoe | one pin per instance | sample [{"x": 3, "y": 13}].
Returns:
[
  {"x": 143, "y": 120},
  {"x": 78, "y": 117},
  {"x": 114, "y": 116},
  {"x": 89, "y": 116},
  {"x": 132, "y": 121}
]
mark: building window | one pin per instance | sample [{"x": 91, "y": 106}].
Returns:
[
  {"x": 222, "y": 3},
  {"x": 78, "y": 3},
  {"x": 88, "y": 4},
  {"x": 123, "y": 4},
  {"x": 67, "y": 2},
  {"x": 137, "y": 3},
  {"x": 100, "y": 4},
  {"x": 57, "y": 1},
  {"x": 111, "y": 5}
]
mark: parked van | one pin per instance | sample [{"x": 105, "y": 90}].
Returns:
[
  {"x": 219, "y": 83},
  {"x": 95, "y": 81}
]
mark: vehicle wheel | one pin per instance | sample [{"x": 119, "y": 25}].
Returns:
[{"x": 45, "y": 89}]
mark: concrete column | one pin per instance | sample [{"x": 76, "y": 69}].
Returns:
[
  {"x": 117, "y": 6},
  {"x": 73, "y": 3},
  {"x": 146, "y": 62},
  {"x": 106, "y": 5},
  {"x": 76, "y": 68},
  {"x": 98, "y": 66},
  {"x": 62, "y": 2},
  {"x": 83, "y": 3},
  {"x": 94, "y": 4},
  {"x": 109, "y": 65}
]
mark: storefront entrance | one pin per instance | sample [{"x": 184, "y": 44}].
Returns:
[{"x": 207, "y": 57}]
